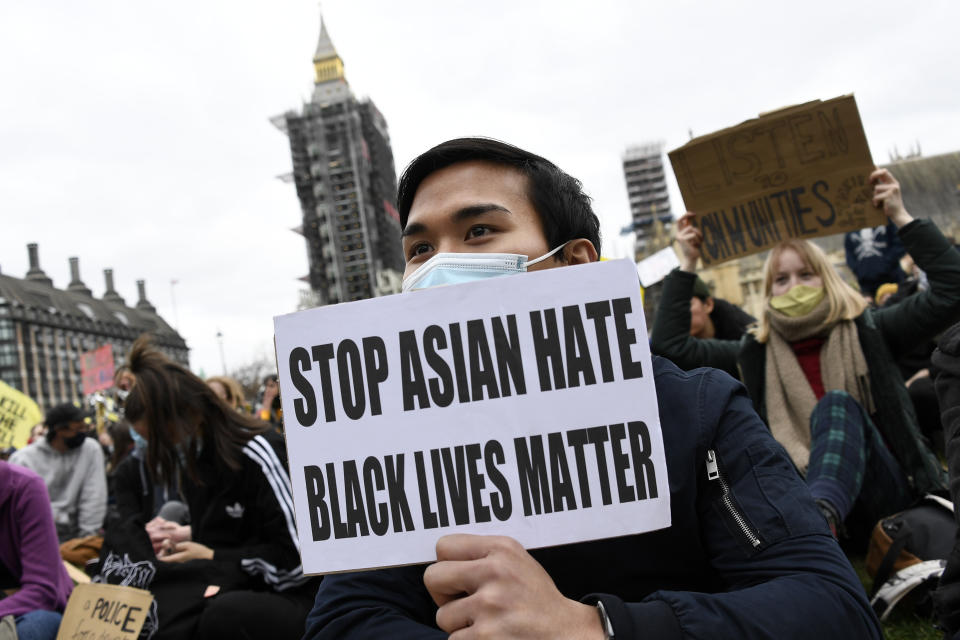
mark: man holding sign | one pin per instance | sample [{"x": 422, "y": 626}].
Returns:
[{"x": 739, "y": 551}]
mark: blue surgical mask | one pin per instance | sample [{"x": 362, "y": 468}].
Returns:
[
  {"x": 454, "y": 268},
  {"x": 139, "y": 442}
]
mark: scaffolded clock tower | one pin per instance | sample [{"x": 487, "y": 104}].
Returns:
[{"x": 346, "y": 183}]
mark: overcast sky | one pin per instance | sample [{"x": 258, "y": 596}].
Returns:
[{"x": 135, "y": 135}]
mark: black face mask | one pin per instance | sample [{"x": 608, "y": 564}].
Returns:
[{"x": 75, "y": 441}]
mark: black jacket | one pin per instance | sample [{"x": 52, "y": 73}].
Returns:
[
  {"x": 245, "y": 516},
  {"x": 946, "y": 372},
  {"x": 730, "y": 322},
  {"x": 783, "y": 576}
]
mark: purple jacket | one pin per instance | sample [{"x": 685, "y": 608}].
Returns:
[{"x": 28, "y": 544}]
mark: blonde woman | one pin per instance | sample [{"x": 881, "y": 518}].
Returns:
[
  {"x": 820, "y": 367},
  {"x": 228, "y": 390}
]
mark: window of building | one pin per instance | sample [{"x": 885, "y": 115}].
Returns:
[
  {"x": 87, "y": 310},
  {"x": 11, "y": 377},
  {"x": 8, "y": 355},
  {"x": 6, "y": 329}
]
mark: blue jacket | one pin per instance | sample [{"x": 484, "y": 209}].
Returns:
[{"x": 748, "y": 554}]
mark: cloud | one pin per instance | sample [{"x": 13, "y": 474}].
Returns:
[{"x": 136, "y": 135}]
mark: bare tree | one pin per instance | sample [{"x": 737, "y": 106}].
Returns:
[
  {"x": 251, "y": 375},
  {"x": 308, "y": 299}
]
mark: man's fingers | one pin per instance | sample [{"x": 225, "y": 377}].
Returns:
[
  {"x": 449, "y": 579},
  {"x": 456, "y": 614},
  {"x": 465, "y": 633},
  {"x": 465, "y": 546}
]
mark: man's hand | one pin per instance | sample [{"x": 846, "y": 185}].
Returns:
[
  {"x": 689, "y": 238},
  {"x": 886, "y": 196},
  {"x": 183, "y": 551},
  {"x": 490, "y": 587}
]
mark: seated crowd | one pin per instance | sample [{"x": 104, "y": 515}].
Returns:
[
  {"x": 197, "y": 489},
  {"x": 189, "y": 497}
]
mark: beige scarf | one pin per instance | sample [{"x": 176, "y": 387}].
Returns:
[{"x": 789, "y": 397}]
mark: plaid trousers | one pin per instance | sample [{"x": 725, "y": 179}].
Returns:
[{"x": 850, "y": 465}]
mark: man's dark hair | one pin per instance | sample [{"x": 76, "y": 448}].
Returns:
[
  {"x": 557, "y": 197},
  {"x": 60, "y": 417}
]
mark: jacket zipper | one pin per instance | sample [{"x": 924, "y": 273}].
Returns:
[{"x": 713, "y": 475}]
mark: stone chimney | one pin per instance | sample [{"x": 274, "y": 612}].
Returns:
[
  {"x": 76, "y": 284},
  {"x": 143, "y": 304},
  {"x": 36, "y": 273},
  {"x": 111, "y": 295}
]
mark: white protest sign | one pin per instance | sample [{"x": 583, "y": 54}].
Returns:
[
  {"x": 521, "y": 406},
  {"x": 655, "y": 268}
]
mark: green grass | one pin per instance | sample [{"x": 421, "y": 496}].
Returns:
[{"x": 903, "y": 623}]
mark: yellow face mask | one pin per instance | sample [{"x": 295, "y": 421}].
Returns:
[{"x": 799, "y": 301}]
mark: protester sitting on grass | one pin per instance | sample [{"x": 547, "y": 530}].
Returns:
[
  {"x": 821, "y": 367},
  {"x": 268, "y": 405},
  {"x": 884, "y": 292},
  {"x": 715, "y": 317},
  {"x": 37, "y": 431},
  {"x": 229, "y": 390},
  {"x": 34, "y": 585},
  {"x": 120, "y": 447},
  {"x": 72, "y": 466},
  {"x": 915, "y": 367},
  {"x": 873, "y": 255},
  {"x": 708, "y": 317},
  {"x": 138, "y": 504},
  {"x": 946, "y": 370},
  {"x": 778, "y": 573},
  {"x": 246, "y": 573}
]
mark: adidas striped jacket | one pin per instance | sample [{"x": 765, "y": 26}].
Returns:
[{"x": 246, "y": 516}]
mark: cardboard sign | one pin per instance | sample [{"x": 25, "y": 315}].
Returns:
[
  {"x": 96, "y": 369},
  {"x": 104, "y": 612},
  {"x": 655, "y": 268},
  {"x": 18, "y": 414},
  {"x": 800, "y": 172},
  {"x": 521, "y": 406}
]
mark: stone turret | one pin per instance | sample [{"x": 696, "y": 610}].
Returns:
[
  {"x": 76, "y": 284},
  {"x": 35, "y": 273},
  {"x": 143, "y": 304},
  {"x": 111, "y": 295}
]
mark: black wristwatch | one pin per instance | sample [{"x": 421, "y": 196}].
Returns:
[{"x": 605, "y": 621}]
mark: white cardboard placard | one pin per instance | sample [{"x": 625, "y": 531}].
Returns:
[
  {"x": 655, "y": 268},
  {"x": 522, "y": 406}
]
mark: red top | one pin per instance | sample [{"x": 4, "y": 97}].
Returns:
[{"x": 808, "y": 355}]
